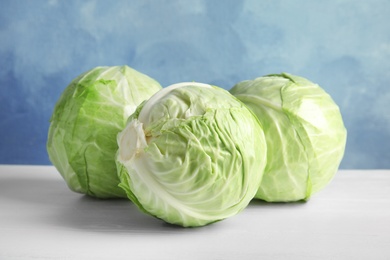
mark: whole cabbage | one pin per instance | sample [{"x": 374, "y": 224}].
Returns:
[
  {"x": 305, "y": 135},
  {"x": 86, "y": 119},
  {"x": 191, "y": 155}
]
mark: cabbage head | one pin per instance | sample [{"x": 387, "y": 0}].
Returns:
[
  {"x": 86, "y": 120},
  {"x": 191, "y": 155},
  {"x": 304, "y": 131}
]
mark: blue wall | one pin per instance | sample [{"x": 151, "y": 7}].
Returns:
[{"x": 342, "y": 45}]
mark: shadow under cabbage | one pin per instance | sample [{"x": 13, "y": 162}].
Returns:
[
  {"x": 265, "y": 204},
  {"x": 57, "y": 205}
]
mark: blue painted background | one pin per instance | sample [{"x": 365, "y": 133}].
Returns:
[{"x": 342, "y": 45}]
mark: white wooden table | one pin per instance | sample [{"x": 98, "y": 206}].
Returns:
[{"x": 40, "y": 218}]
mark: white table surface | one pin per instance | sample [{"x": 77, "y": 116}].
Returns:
[{"x": 40, "y": 218}]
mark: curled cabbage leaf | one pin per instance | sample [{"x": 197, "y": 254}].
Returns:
[
  {"x": 304, "y": 131},
  {"x": 191, "y": 155},
  {"x": 85, "y": 122}
]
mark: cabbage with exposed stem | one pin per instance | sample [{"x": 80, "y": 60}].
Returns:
[
  {"x": 191, "y": 155},
  {"x": 86, "y": 119},
  {"x": 305, "y": 134}
]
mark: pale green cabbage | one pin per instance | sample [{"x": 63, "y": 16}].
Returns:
[
  {"x": 86, "y": 119},
  {"x": 304, "y": 131},
  {"x": 191, "y": 155}
]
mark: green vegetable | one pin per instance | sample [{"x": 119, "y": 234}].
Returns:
[
  {"x": 305, "y": 135},
  {"x": 191, "y": 155},
  {"x": 86, "y": 119}
]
